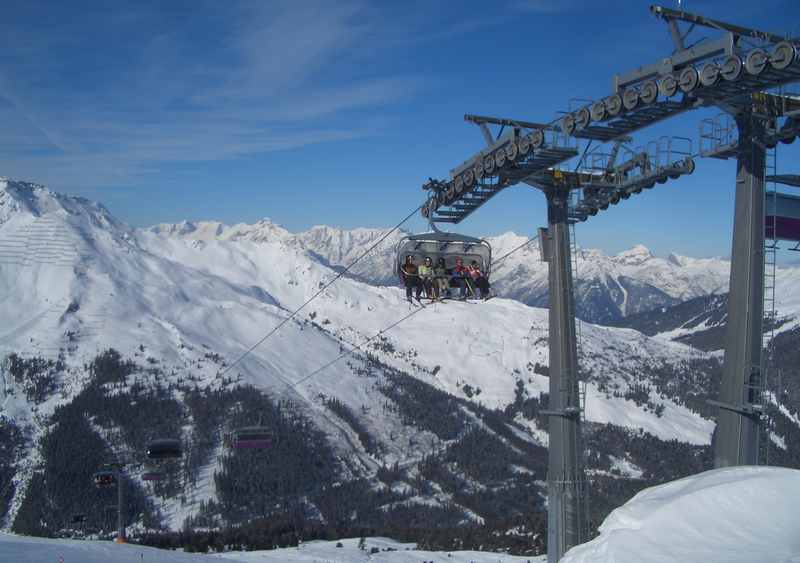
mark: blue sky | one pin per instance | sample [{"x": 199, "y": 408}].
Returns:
[{"x": 334, "y": 112}]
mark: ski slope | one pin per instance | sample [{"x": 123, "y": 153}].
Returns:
[{"x": 18, "y": 549}]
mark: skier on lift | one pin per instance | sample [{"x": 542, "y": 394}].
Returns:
[
  {"x": 410, "y": 277},
  {"x": 425, "y": 272}
]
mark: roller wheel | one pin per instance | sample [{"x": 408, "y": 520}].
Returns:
[
  {"x": 582, "y": 118},
  {"x": 630, "y": 99},
  {"x": 469, "y": 178},
  {"x": 783, "y": 55},
  {"x": 756, "y": 61},
  {"x": 568, "y": 124},
  {"x": 500, "y": 158},
  {"x": 598, "y": 111},
  {"x": 537, "y": 139},
  {"x": 488, "y": 165},
  {"x": 512, "y": 151},
  {"x": 613, "y": 105},
  {"x": 709, "y": 74},
  {"x": 458, "y": 185},
  {"x": 731, "y": 68},
  {"x": 668, "y": 86},
  {"x": 524, "y": 144},
  {"x": 688, "y": 80},
  {"x": 649, "y": 93}
]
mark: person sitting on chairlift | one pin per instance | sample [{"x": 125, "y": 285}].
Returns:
[
  {"x": 411, "y": 277},
  {"x": 425, "y": 272},
  {"x": 478, "y": 279},
  {"x": 439, "y": 279},
  {"x": 460, "y": 277}
]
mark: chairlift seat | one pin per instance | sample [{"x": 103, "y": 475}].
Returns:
[
  {"x": 167, "y": 448},
  {"x": 252, "y": 437},
  {"x": 445, "y": 245}
]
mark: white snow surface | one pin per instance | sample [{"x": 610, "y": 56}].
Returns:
[
  {"x": 731, "y": 515},
  {"x": 522, "y": 275},
  {"x": 20, "y": 549},
  {"x": 75, "y": 281}
]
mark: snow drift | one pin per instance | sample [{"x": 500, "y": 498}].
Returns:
[{"x": 731, "y": 515}]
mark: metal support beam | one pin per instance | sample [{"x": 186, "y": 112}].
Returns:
[
  {"x": 736, "y": 441},
  {"x": 120, "y": 508},
  {"x": 565, "y": 477}
]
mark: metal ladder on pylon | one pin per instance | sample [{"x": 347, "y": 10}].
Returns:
[
  {"x": 770, "y": 314},
  {"x": 584, "y": 486},
  {"x": 573, "y": 251}
]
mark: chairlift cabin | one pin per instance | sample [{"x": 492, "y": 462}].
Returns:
[
  {"x": 103, "y": 479},
  {"x": 450, "y": 246},
  {"x": 152, "y": 476},
  {"x": 251, "y": 437},
  {"x": 167, "y": 448}
]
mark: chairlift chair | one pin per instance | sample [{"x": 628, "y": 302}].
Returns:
[
  {"x": 438, "y": 244},
  {"x": 250, "y": 437},
  {"x": 165, "y": 448},
  {"x": 105, "y": 478},
  {"x": 152, "y": 476}
]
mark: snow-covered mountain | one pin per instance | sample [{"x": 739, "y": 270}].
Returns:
[
  {"x": 608, "y": 288},
  {"x": 182, "y": 303}
]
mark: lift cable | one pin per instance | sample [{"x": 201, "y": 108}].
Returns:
[
  {"x": 318, "y": 293},
  {"x": 356, "y": 347},
  {"x": 507, "y": 254}
]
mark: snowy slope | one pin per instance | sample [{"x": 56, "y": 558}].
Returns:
[
  {"x": 74, "y": 281},
  {"x": 732, "y": 515}
]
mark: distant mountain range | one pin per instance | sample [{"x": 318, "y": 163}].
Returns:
[{"x": 608, "y": 288}]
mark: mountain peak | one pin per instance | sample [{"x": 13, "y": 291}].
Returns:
[{"x": 635, "y": 255}]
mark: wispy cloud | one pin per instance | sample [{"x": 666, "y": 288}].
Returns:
[{"x": 260, "y": 78}]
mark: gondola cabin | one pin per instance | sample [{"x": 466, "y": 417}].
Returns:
[
  {"x": 103, "y": 479},
  {"x": 251, "y": 437},
  {"x": 167, "y": 448},
  {"x": 449, "y": 246},
  {"x": 782, "y": 217}
]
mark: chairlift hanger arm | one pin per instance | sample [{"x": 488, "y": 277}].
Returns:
[
  {"x": 670, "y": 16},
  {"x": 482, "y": 119}
]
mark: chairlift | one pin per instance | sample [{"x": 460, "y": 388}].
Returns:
[
  {"x": 104, "y": 479},
  {"x": 165, "y": 448},
  {"x": 152, "y": 475},
  {"x": 250, "y": 437},
  {"x": 450, "y": 246}
]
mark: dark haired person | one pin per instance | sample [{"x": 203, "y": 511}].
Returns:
[
  {"x": 478, "y": 279},
  {"x": 461, "y": 279},
  {"x": 410, "y": 276},
  {"x": 439, "y": 279}
]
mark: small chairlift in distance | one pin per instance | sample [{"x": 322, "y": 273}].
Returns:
[
  {"x": 152, "y": 475},
  {"x": 164, "y": 448},
  {"x": 250, "y": 437},
  {"x": 439, "y": 244},
  {"x": 104, "y": 478}
]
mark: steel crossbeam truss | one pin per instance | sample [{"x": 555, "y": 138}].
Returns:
[{"x": 724, "y": 72}]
